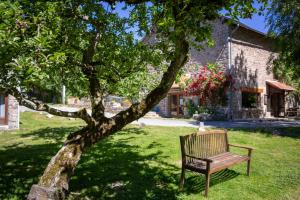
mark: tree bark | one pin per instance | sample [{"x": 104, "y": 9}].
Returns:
[{"x": 54, "y": 183}]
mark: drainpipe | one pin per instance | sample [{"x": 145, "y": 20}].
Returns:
[
  {"x": 229, "y": 39},
  {"x": 63, "y": 95}
]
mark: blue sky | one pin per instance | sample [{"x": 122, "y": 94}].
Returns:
[{"x": 256, "y": 22}]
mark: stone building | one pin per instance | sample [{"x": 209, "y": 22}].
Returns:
[
  {"x": 246, "y": 54},
  {"x": 9, "y": 112}
]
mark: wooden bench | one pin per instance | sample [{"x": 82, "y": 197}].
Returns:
[
  {"x": 292, "y": 112},
  {"x": 208, "y": 152}
]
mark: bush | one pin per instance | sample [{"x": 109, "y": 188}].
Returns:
[{"x": 192, "y": 108}]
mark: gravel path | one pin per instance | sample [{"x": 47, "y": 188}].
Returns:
[{"x": 220, "y": 124}]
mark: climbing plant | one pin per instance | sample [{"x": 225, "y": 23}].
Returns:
[{"x": 210, "y": 83}]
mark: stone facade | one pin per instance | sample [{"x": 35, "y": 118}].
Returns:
[
  {"x": 216, "y": 54},
  {"x": 247, "y": 55},
  {"x": 251, "y": 58},
  {"x": 12, "y": 115},
  {"x": 163, "y": 107}
]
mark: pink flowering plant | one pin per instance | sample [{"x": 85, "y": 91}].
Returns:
[{"x": 210, "y": 83}]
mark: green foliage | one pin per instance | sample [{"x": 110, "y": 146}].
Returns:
[
  {"x": 192, "y": 108},
  {"x": 284, "y": 22},
  {"x": 44, "y": 43},
  {"x": 204, "y": 110}
]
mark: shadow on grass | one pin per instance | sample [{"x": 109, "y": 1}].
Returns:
[
  {"x": 20, "y": 167},
  {"x": 196, "y": 183},
  {"x": 113, "y": 169},
  {"x": 22, "y": 164},
  {"x": 51, "y": 134},
  {"x": 292, "y": 132},
  {"x": 119, "y": 170}
]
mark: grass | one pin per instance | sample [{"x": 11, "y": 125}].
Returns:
[{"x": 144, "y": 163}]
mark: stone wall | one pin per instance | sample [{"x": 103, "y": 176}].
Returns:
[
  {"x": 216, "y": 54},
  {"x": 13, "y": 113},
  {"x": 164, "y": 107},
  {"x": 251, "y": 57},
  {"x": 197, "y": 59}
]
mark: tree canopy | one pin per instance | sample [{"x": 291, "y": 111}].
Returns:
[
  {"x": 45, "y": 43},
  {"x": 284, "y": 21}
]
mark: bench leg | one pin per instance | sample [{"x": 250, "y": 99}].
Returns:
[
  {"x": 248, "y": 167},
  {"x": 182, "y": 178},
  {"x": 207, "y": 179},
  {"x": 249, "y": 162}
]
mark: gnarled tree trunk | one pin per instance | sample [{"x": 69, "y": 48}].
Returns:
[{"x": 54, "y": 183}]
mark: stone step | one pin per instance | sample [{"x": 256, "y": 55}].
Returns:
[{"x": 152, "y": 114}]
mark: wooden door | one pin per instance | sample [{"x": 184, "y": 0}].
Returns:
[
  {"x": 176, "y": 105},
  {"x": 3, "y": 109},
  {"x": 275, "y": 104}
]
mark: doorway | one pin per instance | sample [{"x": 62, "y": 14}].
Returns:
[
  {"x": 277, "y": 104},
  {"x": 3, "y": 109},
  {"x": 176, "y": 105}
]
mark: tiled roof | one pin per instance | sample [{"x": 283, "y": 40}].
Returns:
[{"x": 281, "y": 86}]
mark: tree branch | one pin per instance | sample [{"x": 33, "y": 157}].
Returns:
[
  {"x": 140, "y": 109},
  {"x": 96, "y": 93},
  {"x": 127, "y": 1},
  {"x": 39, "y": 106}
]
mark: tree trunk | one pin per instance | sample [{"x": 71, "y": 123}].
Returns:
[{"x": 54, "y": 183}]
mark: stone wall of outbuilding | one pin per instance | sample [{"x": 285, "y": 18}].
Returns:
[
  {"x": 197, "y": 59},
  {"x": 13, "y": 120},
  {"x": 251, "y": 61}
]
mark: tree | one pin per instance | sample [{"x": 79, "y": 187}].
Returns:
[
  {"x": 93, "y": 50},
  {"x": 284, "y": 21}
]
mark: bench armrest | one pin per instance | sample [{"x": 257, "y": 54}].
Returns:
[
  {"x": 203, "y": 159},
  {"x": 240, "y": 146}
]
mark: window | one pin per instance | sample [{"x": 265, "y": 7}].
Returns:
[
  {"x": 250, "y": 100},
  {"x": 3, "y": 111},
  {"x": 2, "y": 106},
  {"x": 176, "y": 104}
]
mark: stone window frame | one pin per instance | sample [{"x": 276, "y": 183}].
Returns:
[
  {"x": 255, "y": 91},
  {"x": 4, "y": 121}
]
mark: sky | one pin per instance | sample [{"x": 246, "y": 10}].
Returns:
[{"x": 256, "y": 22}]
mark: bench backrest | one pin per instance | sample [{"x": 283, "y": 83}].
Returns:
[{"x": 204, "y": 144}]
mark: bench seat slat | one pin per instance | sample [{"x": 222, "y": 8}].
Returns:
[{"x": 221, "y": 161}]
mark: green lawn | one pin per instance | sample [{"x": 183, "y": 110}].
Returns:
[{"x": 144, "y": 163}]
